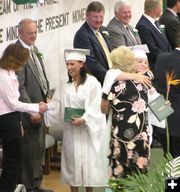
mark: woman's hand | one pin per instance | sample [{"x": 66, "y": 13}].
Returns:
[
  {"x": 77, "y": 121},
  {"x": 143, "y": 79}
]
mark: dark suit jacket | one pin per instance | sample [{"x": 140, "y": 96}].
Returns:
[
  {"x": 120, "y": 36},
  {"x": 97, "y": 62},
  {"x": 172, "y": 26},
  {"x": 30, "y": 87},
  {"x": 156, "y": 41},
  {"x": 168, "y": 62}
]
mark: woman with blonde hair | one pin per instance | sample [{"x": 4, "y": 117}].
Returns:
[{"x": 129, "y": 142}]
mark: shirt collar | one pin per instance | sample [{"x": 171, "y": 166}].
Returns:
[
  {"x": 174, "y": 13},
  {"x": 152, "y": 20},
  {"x": 121, "y": 22},
  {"x": 24, "y": 44}
]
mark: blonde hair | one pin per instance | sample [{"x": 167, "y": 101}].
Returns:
[
  {"x": 123, "y": 58},
  {"x": 150, "y": 5}
]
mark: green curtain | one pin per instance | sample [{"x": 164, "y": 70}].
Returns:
[
  {"x": 18, "y": 2},
  {"x": 164, "y": 4}
]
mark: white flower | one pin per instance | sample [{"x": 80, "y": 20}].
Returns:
[
  {"x": 162, "y": 28},
  {"x": 135, "y": 31},
  {"x": 105, "y": 34}
]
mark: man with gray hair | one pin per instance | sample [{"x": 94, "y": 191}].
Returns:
[
  {"x": 33, "y": 88},
  {"x": 121, "y": 33}
]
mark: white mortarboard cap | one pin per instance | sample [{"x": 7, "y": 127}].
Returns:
[
  {"x": 140, "y": 50},
  {"x": 76, "y": 54}
]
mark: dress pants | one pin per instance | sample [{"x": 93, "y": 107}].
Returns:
[
  {"x": 10, "y": 135},
  {"x": 32, "y": 156}
]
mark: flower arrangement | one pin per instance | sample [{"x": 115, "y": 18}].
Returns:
[{"x": 105, "y": 34}]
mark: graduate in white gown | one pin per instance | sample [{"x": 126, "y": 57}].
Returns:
[{"x": 84, "y": 158}]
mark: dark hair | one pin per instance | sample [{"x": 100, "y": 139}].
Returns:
[
  {"x": 14, "y": 57},
  {"x": 95, "y": 6},
  {"x": 83, "y": 73},
  {"x": 171, "y": 3}
]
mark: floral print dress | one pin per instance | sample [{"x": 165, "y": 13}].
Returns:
[{"x": 129, "y": 145}]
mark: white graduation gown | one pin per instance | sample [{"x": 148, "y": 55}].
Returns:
[{"x": 84, "y": 158}]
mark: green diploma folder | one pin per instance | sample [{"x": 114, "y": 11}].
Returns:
[
  {"x": 160, "y": 109},
  {"x": 69, "y": 113}
]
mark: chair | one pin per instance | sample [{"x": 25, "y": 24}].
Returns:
[
  {"x": 49, "y": 143},
  {"x": 56, "y": 132}
]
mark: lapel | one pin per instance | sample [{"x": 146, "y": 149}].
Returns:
[
  {"x": 136, "y": 36},
  {"x": 96, "y": 41},
  {"x": 155, "y": 30},
  {"x": 126, "y": 33},
  {"x": 106, "y": 38},
  {"x": 135, "y": 40},
  {"x": 33, "y": 68}
]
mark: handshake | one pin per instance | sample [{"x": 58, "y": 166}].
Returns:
[{"x": 43, "y": 107}]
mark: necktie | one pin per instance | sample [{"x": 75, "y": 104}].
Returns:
[
  {"x": 104, "y": 46},
  {"x": 132, "y": 36},
  {"x": 40, "y": 71},
  {"x": 157, "y": 24}
]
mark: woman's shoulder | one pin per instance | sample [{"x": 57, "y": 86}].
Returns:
[
  {"x": 91, "y": 78},
  {"x": 91, "y": 81}
]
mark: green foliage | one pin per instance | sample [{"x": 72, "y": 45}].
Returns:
[{"x": 152, "y": 181}]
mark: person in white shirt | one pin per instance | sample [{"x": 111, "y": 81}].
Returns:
[{"x": 11, "y": 131}]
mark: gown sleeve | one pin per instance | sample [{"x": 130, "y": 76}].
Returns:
[{"x": 95, "y": 120}]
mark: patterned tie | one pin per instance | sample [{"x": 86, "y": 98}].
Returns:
[
  {"x": 104, "y": 46},
  {"x": 40, "y": 71}
]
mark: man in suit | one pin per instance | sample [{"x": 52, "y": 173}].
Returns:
[
  {"x": 151, "y": 33},
  {"x": 34, "y": 88},
  {"x": 86, "y": 38},
  {"x": 121, "y": 33},
  {"x": 168, "y": 63},
  {"x": 171, "y": 21},
  {"x": 98, "y": 62}
]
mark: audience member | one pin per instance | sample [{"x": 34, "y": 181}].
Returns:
[
  {"x": 121, "y": 33},
  {"x": 11, "y": 131},
  {"x": 93, "y": 36},
  {"x": 34, "y": 87},
  {"x": 169, "y": 63},
  {"x": 150, "y": 31},
  {"x": 171, "y": 20},
  {"x": 129, "y": 145}
]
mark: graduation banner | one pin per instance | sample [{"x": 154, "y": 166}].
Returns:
[
  {"x": 57, "y": 23},
  {"x": 18, "y": 2}
]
